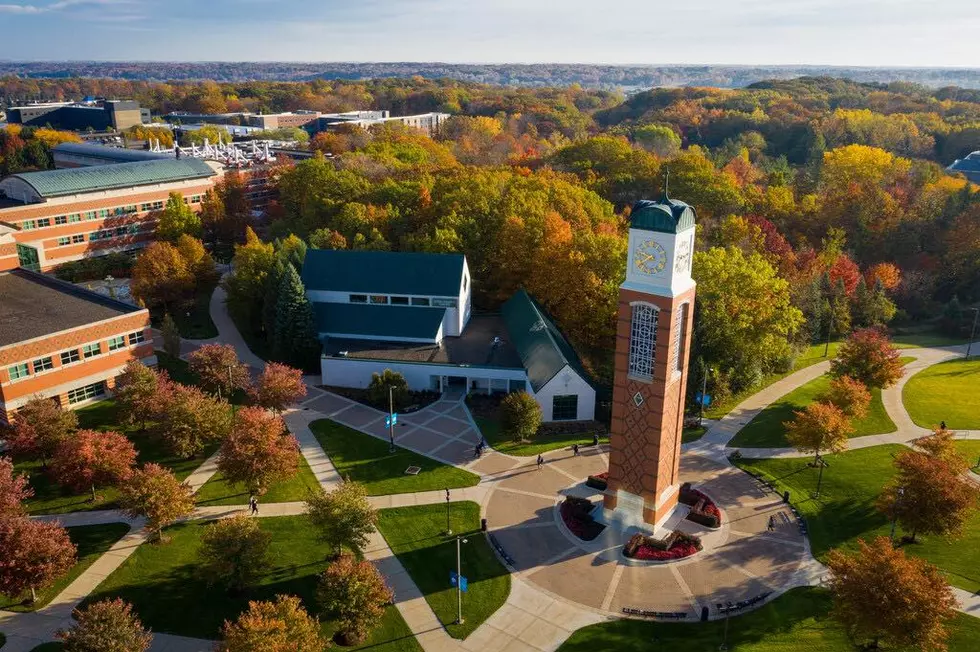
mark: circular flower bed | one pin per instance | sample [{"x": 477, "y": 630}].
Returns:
[
  {"x": 676, "y": 545},
  {"x": 678, "y": 551},
  {"x": 576, "y": 514}
]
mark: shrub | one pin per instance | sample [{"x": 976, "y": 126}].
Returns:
[
  {"x": 380, "y": 384},
  {"x": 703, "y": 509},
  {"x": 520, "y": 416},
  {"x": 576, "y": 513},
  {"x": 355, "y": 594}
]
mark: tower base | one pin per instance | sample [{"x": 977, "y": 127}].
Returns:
[{"x": 624, "y": 510}]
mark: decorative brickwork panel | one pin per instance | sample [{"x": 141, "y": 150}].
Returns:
[{"x": 77, "y": 337}]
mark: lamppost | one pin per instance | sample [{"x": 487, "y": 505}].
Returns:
[
  {"x": 728, "y": 611},
  {"x": 973, "y": 331},
  {"x": 819, "y": 475},
  {"x": 391, "y": 420},
  {"x": 898, "y": 500},
  {"x": 449, "y": 529},
  {"x": 459, "y": 580},
  {"x": 704, "y": 390}
]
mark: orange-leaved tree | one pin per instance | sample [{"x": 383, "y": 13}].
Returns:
[
  {"x": 273, "y": 626},
  {"x": 867, "y": 356},
  {"x": 258, "y": 451},
  {"x": 36, "y": 554},
  {"x": 156, "y": 494},
  {"x": 850, "y": 395},
  {"x": 819, "y": 427}
]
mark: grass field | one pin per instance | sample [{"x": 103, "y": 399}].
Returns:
[
  {"x": 970, "y": 449},
  {"x": 949, "y": 391},
  {"x": 163, "y": 584},
  {"x": 540, "y": 444},
  {"x": 92, "y": 541},
  {"x": 218, "y": 491},
  {"x": 195, "y": 324},
  {"x": 692, "y": 434},
  {"x": 797, "y": 620},
  {"x": 51, "y": 498},
  {"x": 417, "y": 536},
  {"x": 846, "y": 510},
  {"x": 366, "y": 459}
]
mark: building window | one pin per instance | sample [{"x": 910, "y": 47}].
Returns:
[
  {"x": 28, "y": 225},
  {"x": 91, "y": 350},
  {"x": 195, "y": 199},
  {"x": 444, "y": 303},
  {"x": 420, "y": 301},
  {"x": 78, "y": 238},
  {"x": 67, "y": 357},
  {"x": 61, "y": 219},
  {"x": 103, "y": 212},
  {"x": 85, "y": 393},
  {"x": 399, "y": 301},
  {"x": 121, "y": 230},
  {"x": 564, "y": 408},
  {"x": 379, "y": 299},
  {"x": 117, "y": 342},
  {"x": 358, "y": 298},
  {"x": 64, "y": 241},
  {"x": 680, "y": 350},
  {"x": 43, "y": 364},
  {"x": 44, "y": 221},
  {"x": 643, "y": 341},
  {"x": 19, "y": 371},
  {"x": 136, "y": 338},
  {"x": 75, "y": 217}
]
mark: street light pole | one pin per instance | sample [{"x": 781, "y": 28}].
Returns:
[
  {"x": 391, "y": 421},
  {"x": 728, "y": 611},
  {"x": 449, "y": 529},
  {"x": 459, "y": 580},
  {"x": 704, "y": 390},
  {"x": 973, "y": 331}
]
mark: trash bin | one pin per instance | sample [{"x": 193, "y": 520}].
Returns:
[
  {"x": 483, "y": 524},
  {"x": 704, "y": 614},
  {"x": 786, "y": 497}
]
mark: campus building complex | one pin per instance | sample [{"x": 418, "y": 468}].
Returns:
[
  {"x": 410, "y": 312},
  {"x": 55, "y": 216},
  {"x": 312, "y": 121},
  {"x": 63, "y": 342},
  {"x": 94, "y": 115}
]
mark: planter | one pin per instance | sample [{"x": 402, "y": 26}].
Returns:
[
  {"x": 576, "y": 515},
  {"x": 677, "y": 545},
  {"x": 703, "y": 509},
  {"x": 599, "y": 481}
]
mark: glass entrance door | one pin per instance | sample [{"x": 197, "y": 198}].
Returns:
[{"x": 27, "y": 257}]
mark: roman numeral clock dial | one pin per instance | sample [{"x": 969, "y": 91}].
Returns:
[{"x": 650, "y": 257}]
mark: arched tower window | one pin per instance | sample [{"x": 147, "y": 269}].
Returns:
[
  {"x": 680, "y": 349},
  {"x": 643, "y": 340}
]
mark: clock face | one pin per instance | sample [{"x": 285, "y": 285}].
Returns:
[
  {"x": 649, "y": 257},
  {"x": 683, "y": 263}
]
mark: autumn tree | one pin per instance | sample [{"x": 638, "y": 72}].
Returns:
[
  {"x": 106, "y": 626},
  {"x": 867, "y": 356},
  {"x": 385, "y": 385},
  {"x": 89, "y": 458},
  {"x": 355, "y": 595},
  {"x": 884, "y": 597},
  {"x": 819, "y": 427},
  {"x": 234, "y": 552},
  {"x": 850, "y": 395},
  {"x": 278, "y": 386},
  {"x": 161, "y": 276},
  {"x": 137, "y": 393},
  {"x": 219, "y": 369},
  {"x": 520, "y": 416},
  {"x": 199, "y": 262},
  {"x": 171, "y": 336},
  {"x": 343, "y": 517},
  {"x": 246, "y": 284},
  {"x": 190, "y": 419},
  {"x": 14, "y": 490},
  {"x": 155, "y": 493},
  {"x": 176, "y": 219},
  {"x": 294, "y": 338},
  {"x": 258, "y": 452},
  {"x": 327, "y": 239},
  {"x": 40, "y": 425},
  {"x": 279, "y": 626},
  {"x": 36, "y": 554}
]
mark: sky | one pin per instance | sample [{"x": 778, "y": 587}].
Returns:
[{"x": 751, "y": 32}]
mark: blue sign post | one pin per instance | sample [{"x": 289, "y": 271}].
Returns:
[{"x": 463, "y": 583}]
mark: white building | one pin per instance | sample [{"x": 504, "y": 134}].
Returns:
[{"x": 411, "y": 313}]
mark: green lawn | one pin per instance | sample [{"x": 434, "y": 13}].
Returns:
[
  {"x": 970, "y": 449},
  {"x": 949, "y": 391},
  {"x": 51, "y": 498},
  {"x": 195, "y": 324},
  {"x": 540, "y": 444},
  {"x": 164, "y": 586},
  {"x": 766, "y": 430},
  {"x": 218, "y": 491},
  {"x": 846, "y": 510},
  {"x": 692, "y": 434},
  {"x": 417, "y": 536},
  {"x": 92, "y": 542},
  {"x": 797, "y": 620},
  {"x": 366, "y": 459}
]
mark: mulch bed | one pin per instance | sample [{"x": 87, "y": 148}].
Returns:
[
  {"x": 575, "y": 513},
  {"x": 677, "y": 545}
]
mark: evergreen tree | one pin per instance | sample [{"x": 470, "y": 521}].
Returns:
[
  {"x": 862, "y": 298},
  {"x": 270, "y": 302},
  {"x": 294, "y": 335},
  {"x": 171, "y": 335}
]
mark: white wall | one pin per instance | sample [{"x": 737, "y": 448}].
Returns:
[
  {"x": 350, "y": 372},
  {"x": 567, "y": 381}
]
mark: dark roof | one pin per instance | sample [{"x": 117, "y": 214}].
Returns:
[
  {"x": 70, "y": 181},
  {"x": 34, "y": 305},
  {"x": 970, "y": 166},
  {"x": 665, "y": 215},
  {"x": 383, "y": 272},
  {"x": 379, "y": 321},
  {"x": 101, "y": 152},
  {"x": 543, "y": 349}
]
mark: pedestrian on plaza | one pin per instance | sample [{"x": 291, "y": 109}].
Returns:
[
  {"x": 477, "y": 450},
  {"x": 772, "y": 524},
  {"x": 595, "y": 439},
  {"x": 575, "y": 449},
  {"x": 253, "y": 504},
  {"x": 540, "y": 461},
  {"x": 942, "y": 425}
]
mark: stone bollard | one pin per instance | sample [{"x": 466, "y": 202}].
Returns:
[{"x": 786, "y": 497}]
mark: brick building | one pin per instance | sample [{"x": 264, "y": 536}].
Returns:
[
  {"x": 64, "y": 342},
  {"x": 55, "y": 216}
]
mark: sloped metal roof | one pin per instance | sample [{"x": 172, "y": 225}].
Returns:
[
  {"x": 383, "y": 272},
  {"x": 72, "y": 181},
  {"x": 378, "y": 321},
  {"x": 664, "y": 215},
  {"x": 117, "y": 154}
]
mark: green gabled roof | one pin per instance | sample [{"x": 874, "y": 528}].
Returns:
[
  {"x": 71, "y": 181},
  {"x": 544, "y": 351},
  {"x": 378, "y": 321},
  {"x": 664, "y": 215},
  {"x": 383, "y": 272}
]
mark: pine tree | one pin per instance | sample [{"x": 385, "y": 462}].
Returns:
[
  {"x": 294, "y": 335},
  {"x": 171, "y": 336},
  {"x": 270, "y": 304}
]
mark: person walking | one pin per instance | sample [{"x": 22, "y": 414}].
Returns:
[
  {"x": 253, "y": 504},
  {"x": 540, "y": 461},
  {"x": 772, "y": 524},
  {"x": 477, "y": 450},
  {"x": 575, "y": 449},
  {"x": 942, "y": 425},
  {"x": 595, "y": 439}
]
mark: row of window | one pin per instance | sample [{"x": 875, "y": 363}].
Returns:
[
  {"x": 102, "y": 213},
  {"x": 23, "y": 370},
  {"x": 104, "y": 234},
  {"x": 95, "y": 390},
  {"x": 381, "y": 299},
  {"x": 643, "y": 340}
]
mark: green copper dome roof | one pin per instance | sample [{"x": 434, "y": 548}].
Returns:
[{"x": 664, "y": 215}]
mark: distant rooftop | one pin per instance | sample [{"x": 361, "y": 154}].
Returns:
[
  {"x": 35, "y": 305},
  {"x": 381, "y": 321},
  {"x": 119, "y": 154},
  {"x": 71, "y": 181},
  {"x": 969, "y": 166}
]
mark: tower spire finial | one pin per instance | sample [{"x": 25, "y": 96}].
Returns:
[{"x": 665, "y": 198}]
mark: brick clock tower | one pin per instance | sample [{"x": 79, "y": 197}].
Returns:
[{"x": 653, "y": 337}]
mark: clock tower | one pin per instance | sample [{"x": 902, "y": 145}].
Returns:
[{"x": 653, "y": 337}]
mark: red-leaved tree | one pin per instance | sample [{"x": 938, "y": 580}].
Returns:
[
  {"x": 89, "y": 458},
  {"x": 39, "y": 427},
  {"x": 138, "y": 392},
  {"x": 258, "y": 451},
  {"x": 868, "y": 357},
  {"x": 14, "y": 489},
  {"x": 36, "y": 554},
  {"x": 189, "y": 419},
  {"x": 220, "y": 370},
  {"x": 278, "y": 386},
  {"x": 155, "y": 493},
  {"x": 850, "y": 395}
]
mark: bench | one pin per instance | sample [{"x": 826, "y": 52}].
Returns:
[
  {"x": 742, "y": 604},
  {"x": 500, "y": 550},
  {"x": 664, "y": 615}
]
